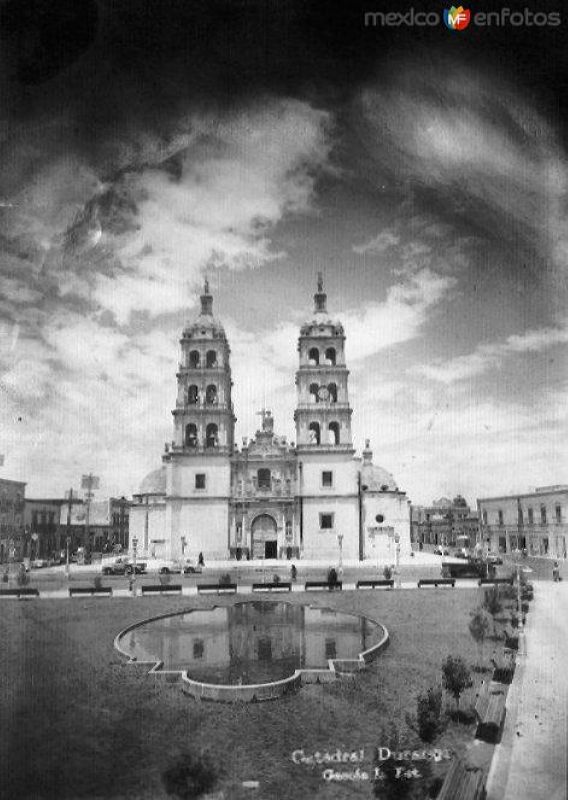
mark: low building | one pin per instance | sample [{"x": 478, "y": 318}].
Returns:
[
  {"x": 42, "y": 522},
  {"x": 106, "y": 521},
  {"x": 443, "y": 522},
  {"x": 535, "y": 522},
  {"x": 14, "y": 543}
]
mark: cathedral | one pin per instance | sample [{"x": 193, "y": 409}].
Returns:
[{"x": 269, "y": 498}]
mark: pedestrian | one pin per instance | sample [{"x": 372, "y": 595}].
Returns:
[
  {"x": 293, "y": 572},
  {"x": 201, "y": 560},
  {"x": 556, "y": 572}
]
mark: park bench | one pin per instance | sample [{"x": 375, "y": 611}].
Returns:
[
  {"x": 21, "y": 591},
  {"x": 490, "y": 713},
  {"x": 485, "y": 581},
  {"x": 376, "y": 584},
  {"x": 217, "y": 588},
  {"x": 436, "y": 582},
  {"x": 323, "y": 585},
  {"x": 161, "y": 588},
  {"x": 281, "y": 586},
  {"x": 462, "y": 782},
  {"x": 91, "y": 590}
]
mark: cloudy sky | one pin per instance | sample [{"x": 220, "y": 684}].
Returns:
[{"x": 423, "y": 171}]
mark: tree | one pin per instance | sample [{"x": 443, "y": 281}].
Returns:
[
  {"x": 479, "y": 628},
  {"x": 455, "y": 677},
  {"x": 428, "y": 720},
  {"x": 492, "y": 604}
]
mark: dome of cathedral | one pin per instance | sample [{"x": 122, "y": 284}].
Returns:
[
  {"x": 154, "y": 482},
  {"x": 377, "y": 479}
]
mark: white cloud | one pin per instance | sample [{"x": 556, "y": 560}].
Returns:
[
  {"x": 399, "y": 318},
  {"x": 260, "y": 167},
  {"x": 378, "y": 245},
  {"x": 489, "y": 356}
]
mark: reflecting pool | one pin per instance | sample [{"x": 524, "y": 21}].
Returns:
[{"x": 251, "y": 642}]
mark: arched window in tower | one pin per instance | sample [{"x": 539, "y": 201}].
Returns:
[
  {"x": 333, "y": 429},
  {"x": 211, "y": 395},
  {"x": 193, "y": 395},
  {"x": 211, "y": 359},
  {"x": 314, "y": 393},
  {"x": 212, "y": 435},
  {"x": 330, "y": 355},
  {"x": 315, "y": 436},
  {"x": 332, "y": 389},
  {"x": 264, "y": 479},
  {"x": 194, "y": 359},
  {"x": 314, "y": 356},
  {"x": 191, "y": 435}
]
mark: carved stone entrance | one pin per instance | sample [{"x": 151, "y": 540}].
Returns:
[{"x": 264, "y": 537}]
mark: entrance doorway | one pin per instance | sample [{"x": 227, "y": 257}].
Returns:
[
  {"x": 270, "y": 549},
  {"x": 264, "y": 537}
]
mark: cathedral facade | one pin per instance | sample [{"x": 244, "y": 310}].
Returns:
[{"x": 269, "y": 498}]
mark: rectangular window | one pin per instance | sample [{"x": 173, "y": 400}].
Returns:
[
  {"x": 198, "y": 648},
  {"x": 558, "y": 514},
  {"x": 330, "y": 650},
  {"x": 500, "y": 517},
  {"x": 530, "y": 516},
  {"x": 327, "y": 479},
  {"x": 543, "y": 515},
  {"x": 326, "y": 522},
  {"x": 200, "y": 480}
]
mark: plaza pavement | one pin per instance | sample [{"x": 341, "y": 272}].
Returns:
[{"x": 531, "y": 761}]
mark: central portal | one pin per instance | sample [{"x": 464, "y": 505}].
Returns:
[{"x": 264, "y": 537}]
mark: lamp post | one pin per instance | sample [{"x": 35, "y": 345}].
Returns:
[
  {"x": 340, "y": 543},
  {"x": 68, "y": 542}
]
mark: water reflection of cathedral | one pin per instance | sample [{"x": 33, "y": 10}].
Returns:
[
  {"x": 253, "y": 641},
  {"x": 268, "y": 498}
]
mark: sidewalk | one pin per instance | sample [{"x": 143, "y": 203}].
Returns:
[{"x": 531, "y": 762}]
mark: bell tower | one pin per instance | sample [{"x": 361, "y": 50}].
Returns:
[
  {"x": 204, "y": 421},
  {"x": 323, "y": 413},
  {"x": 198, "y": 460}
]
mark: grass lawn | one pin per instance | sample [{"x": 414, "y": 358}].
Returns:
[{"x": 77, "y": 722}]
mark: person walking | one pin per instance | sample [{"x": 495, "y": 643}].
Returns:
[
  {"x": 556, "y": 572},
  {"x": 201, "y": 560}
]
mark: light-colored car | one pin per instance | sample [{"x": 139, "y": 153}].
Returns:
[
  {"x": 441, "y": 551},
  {"x": 178, "y": 566},
  {"x": 38, "y": 563}
]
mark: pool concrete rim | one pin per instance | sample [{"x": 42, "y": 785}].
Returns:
[{"x": 270, "y": 690}]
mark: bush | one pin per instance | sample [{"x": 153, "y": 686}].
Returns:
[
  {"x": 189, "y": 777},
  {"x": 225, "y": 579},
  {"x": 165, "y": 578},
  {"x": 98, "y": 581},
  {"x": 479, "y": 628},
  {"x": 22, "y": 578},
  {"x": 428, "y": 720},
  {"x": 332, "y": 576},
  {"x": 387, "y": 573},
  {"x": 276, "y": 578}
]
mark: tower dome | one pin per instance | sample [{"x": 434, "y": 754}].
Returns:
[
  {"x": 321, "y": 322},
  {"x": 205, "y": 324}
]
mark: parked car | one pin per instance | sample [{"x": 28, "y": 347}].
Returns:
[
  {"x": 441, "y": 551},
  {"x": 124, "y": 566},
  {"x": 38, "y": 563},
  {"x": 470, "y": 568},
  {"x": 493, "y": 558},
  {"x": 178, "y": 566}
]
